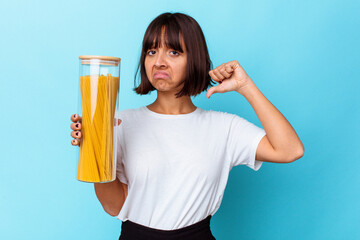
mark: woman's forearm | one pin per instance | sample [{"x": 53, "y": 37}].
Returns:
[
  {"x": 280, "y": 133},
  {"x": 111, "y": 195}
]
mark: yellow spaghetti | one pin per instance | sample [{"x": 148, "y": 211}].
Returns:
[{"x": 98, "y": 102}]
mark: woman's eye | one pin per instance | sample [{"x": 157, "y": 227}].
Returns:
[
  {"x": 151, "y": 52},
  {"x": 174, "y": 53}
]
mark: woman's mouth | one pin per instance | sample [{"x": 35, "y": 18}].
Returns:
[{"x": 161, "y": 75}]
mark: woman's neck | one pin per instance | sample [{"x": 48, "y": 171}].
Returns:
[{"x": 172, "y": 105}]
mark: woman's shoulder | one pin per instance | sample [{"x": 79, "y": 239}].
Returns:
[
  {"x": 221, "y": 117},
  {"x": 218, "y": 113},
  {"x": 127, "y": 112}
]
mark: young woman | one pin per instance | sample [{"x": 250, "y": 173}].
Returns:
[{"x": 175, "y": 157}]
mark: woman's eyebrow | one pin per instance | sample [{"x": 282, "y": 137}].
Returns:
[{"x": 164, "y": 46}]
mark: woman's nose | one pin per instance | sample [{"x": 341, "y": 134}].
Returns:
[{"x": 160, "y": 60}]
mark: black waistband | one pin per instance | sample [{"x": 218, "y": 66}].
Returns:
[{"x": 199, "y": 230}]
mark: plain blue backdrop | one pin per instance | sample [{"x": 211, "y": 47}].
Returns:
[{"x": 302, "y": 55}]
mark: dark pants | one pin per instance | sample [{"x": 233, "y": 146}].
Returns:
[{"x": 197, "y": 231}]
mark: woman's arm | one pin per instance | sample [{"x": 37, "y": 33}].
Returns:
[
  {"x": 111, "y": 195},
  {"x": 281, "y": 143}
]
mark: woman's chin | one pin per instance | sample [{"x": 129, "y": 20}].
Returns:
[{"x": 162, "y": 86}]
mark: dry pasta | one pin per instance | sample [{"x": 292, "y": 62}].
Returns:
[{"x": 98, "y": 102}]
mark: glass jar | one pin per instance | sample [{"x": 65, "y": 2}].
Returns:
[{"x": 99, "y": 102}]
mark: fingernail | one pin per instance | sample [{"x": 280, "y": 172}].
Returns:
[
  {"x": 77, "y": 134},
  {"x": 74, "y": 115},
  {"x": 76, "y": 125}
]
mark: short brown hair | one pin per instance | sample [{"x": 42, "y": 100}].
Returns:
[{"x": 198, "y": 65}]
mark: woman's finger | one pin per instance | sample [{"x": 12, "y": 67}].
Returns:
[
  {"x": 117, "y": 122},
  {"x": 75, "y": 117},
  {"x": 229, "y": 69},
  {"x": 218, "y": 75},
  {"x": 214, "y": 77},
  {"x": 75, "y": 126},
  {"x": 76, "y": 134},
  {"x": 75, "y": 142},
  {"x": 224, "y": 73}
]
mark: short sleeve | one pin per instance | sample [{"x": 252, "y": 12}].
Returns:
[
  {"x": 120, "y": 171},
  {"x": 120, "y": 168},
  {"x": 243, "y": 139}
]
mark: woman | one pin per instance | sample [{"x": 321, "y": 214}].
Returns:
[{"x": 175, "y": 158}]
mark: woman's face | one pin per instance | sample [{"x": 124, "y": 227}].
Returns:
[{"x": 166, "y": 67}]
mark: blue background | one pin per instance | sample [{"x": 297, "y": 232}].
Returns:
[{"x": 303, "y": 56}]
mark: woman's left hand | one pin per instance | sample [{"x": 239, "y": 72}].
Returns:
[{"x": 230, "y": 76}]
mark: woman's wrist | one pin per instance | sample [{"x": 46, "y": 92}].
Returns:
[{"x": 249, "y": 89}]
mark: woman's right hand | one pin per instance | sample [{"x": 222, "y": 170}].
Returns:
[{"x": 76, "y": 126}]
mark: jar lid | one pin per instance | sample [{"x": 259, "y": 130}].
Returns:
[{"x": 103, "y": 60}]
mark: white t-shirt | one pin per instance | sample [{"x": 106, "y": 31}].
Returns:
[{"x": 177, "y": 166}]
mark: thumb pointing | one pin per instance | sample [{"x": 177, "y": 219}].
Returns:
[{"x": 210, "y": 92}]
